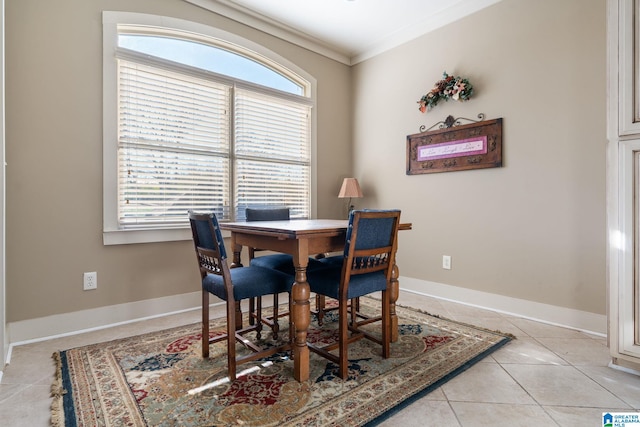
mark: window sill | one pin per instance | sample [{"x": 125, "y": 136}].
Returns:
[{"x": 133, "y": 236}]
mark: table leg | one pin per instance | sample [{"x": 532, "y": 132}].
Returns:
[
  {"x": 394, "y": 293},
  {"x": 237, "y": 262},
  {"x": 301, "y": 315}
]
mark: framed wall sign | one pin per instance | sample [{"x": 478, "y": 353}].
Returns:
[{"x": 456, "y": 147}]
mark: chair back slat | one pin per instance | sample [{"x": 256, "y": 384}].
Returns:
[
  {"x": 209, "y": 261},
  {"x": 370, "y": 262}
]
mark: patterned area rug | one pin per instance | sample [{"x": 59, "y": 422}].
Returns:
[{"x": 160, "y": 379}]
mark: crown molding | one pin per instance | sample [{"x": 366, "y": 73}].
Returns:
[
  {"x": 404, "y": 35},
  {"x": 252, "y": 19}
]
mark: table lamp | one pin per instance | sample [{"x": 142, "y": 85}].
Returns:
[{"x": 350, "y": 188}]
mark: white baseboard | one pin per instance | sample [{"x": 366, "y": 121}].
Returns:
[
  {"x": 59, "y": 325},
  {"x": 43, "y": 328},
  {"x": 560, "y": 316}
]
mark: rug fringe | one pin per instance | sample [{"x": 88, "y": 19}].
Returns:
[
  {"x": 437, "y": 316},
  {"x": 57, "y": 392},
  {"x": 495, "y": 331}
]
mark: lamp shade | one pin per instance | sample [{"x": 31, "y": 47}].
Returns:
[{"x": 350, "y": 188}]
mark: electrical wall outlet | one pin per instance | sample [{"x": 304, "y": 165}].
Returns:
[
  {"x": 90, "y": 280},
  {"x": 446, "y": 262}
]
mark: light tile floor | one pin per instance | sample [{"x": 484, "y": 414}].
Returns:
[{"x": 548, "y": 376}]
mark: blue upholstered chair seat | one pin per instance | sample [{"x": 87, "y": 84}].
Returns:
[
  {"x": 284, "y": 263},
  {"x": 324, "y": 282},
  {"x": 278, "y": 262},
  {"x": 333, "y": 261},
  {"x": 249, "y": 282}
]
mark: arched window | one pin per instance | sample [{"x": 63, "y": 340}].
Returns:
[
  {"x": 211, "y": 55},
  {"x": 200, "y": 123}
]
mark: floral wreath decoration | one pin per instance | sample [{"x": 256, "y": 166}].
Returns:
[{"x": 450, "y": 87}]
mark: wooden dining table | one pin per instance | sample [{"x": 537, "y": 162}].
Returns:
[{"x": 301, "y": 238}]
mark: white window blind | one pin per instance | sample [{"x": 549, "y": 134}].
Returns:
[
  {"x": 198, "y": 118},
  {"x": 173, "y": 146},
  {"x": 272, "y": 153}
]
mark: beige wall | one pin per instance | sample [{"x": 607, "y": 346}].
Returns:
[
  {"x": 535, "y": 228},
  {"x": 54, "y": 155}
]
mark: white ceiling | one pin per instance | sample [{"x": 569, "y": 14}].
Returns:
[{"x": 352, "y": 30}]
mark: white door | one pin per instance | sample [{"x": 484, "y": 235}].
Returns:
[
  {"x": 624, "y": 293},
  {"x": 623, "y": 181}
]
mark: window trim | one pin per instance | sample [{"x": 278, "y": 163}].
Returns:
[{"x": 112, "y": 233}]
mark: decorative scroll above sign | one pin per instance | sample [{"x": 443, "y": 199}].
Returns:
[{"x": 455, "y": 147}]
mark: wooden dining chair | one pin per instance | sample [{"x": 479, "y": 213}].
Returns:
[
  {"x": 279, "y": 262},
  {"x": 232, "y": 285},
  {"x": 369, "y": 257}
]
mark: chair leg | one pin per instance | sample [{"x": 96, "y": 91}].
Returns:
[
  {"x": 259, "y": 318},
  {"x": 353, "y": 311},
  {"x": 275, "y": 328},
  {"x": 343, "y": 347},
  {"x": 386, "y": 324},
  {"x": 205, "y": 324},
  {"x": 238, "y": 315},
  {"x": 231, "y": 339},
  {"x": 320, "y": 304},
  {"x": 252, "y": 311}
]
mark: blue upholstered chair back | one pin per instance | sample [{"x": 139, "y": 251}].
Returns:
[
  {"x": 267, "y": 214},
  {"x": 373, "y": 232},
  {"x": 207, "y": 237},
  {"x": 370, "y": 244}
]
